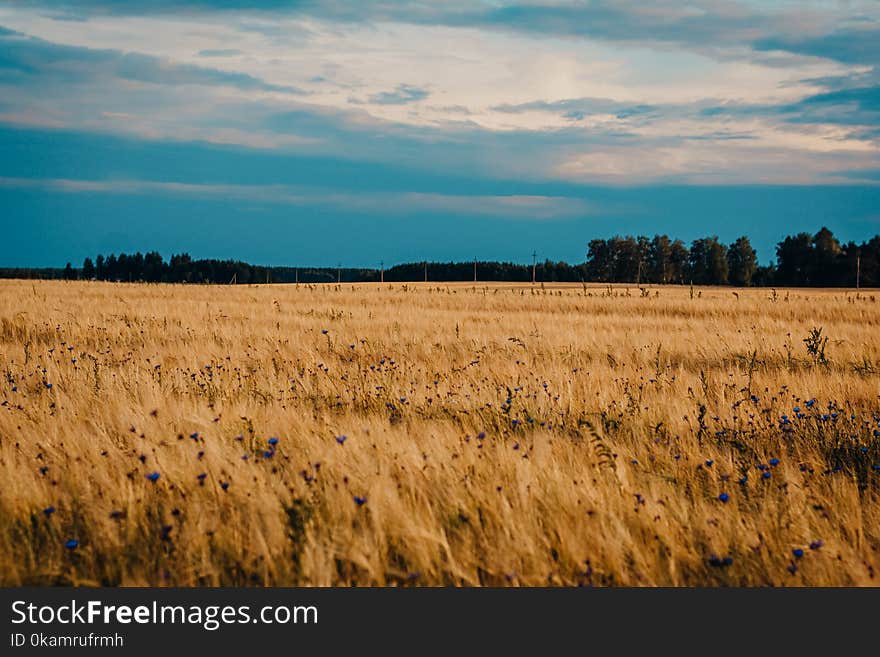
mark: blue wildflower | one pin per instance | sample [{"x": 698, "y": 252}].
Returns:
[
  {"x": 153, "y": 476},
  {"x": 743, "y": 480},
  {"x": 224, "y": 485},
  {"x": 72, "y": 544},
  {"x": 273, "y": 441},
  {"x": 359, "y": 500},
  {"x": 268, "y": 454},
  {"x": 766, "y": 475},
  {"x": 709, "y": 463},
  {"x": 49, "y": 510},
  {"x": 815, "y": 545},
  {"x": 774, "y": 461},
  {"x": 724, "y": 497},
  {"x": 798, "y": 553},
  {"x": 324, "y": 331},
  {"x": 718, "y": 562},
  {"x": 481, "y": 435}
]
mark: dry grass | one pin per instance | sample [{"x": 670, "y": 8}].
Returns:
[{"x": 613, "y": 421}]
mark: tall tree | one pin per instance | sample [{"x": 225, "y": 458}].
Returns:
[
  {"x": 88, "y": 270},
  {"x": 660, "y": 259},
  {"x": 794, "y": 260},
  {"x": 708, "y": 262},
  {"x": 742, "y": 262}
]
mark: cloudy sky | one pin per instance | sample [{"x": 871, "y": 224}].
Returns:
[{"x": 316, "y": 132}]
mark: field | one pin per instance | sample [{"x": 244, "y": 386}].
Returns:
[{"x": 438, "y": 434}]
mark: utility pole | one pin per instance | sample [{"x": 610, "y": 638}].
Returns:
[
  {"x": 426, "y": 271},
  {"x": 534, "y": 265},
  {"x": 338, "y": 273},
  {"x": 858, "y": 270},
  {"x": 475, "y": 270},
  {"x": 296, "y": 274},
  {"x": 381, "y": 271}
]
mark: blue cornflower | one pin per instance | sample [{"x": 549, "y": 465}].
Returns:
[
  {"x": 268, "y": 454},
  {"x": 224, "y": 485},
  {"x": 194, "y": 435},
  {"x": 709, "y": 463},
  {"x": 809, "y": 403},
  {"x": 201, "y": 477},
  {"x": 754, "y": 398},
  {"x": 49, "y": 510},
  {"x": 341, "y": 439},
  {"x": 724, "y": 497},
  {"x": 766, "y": 475},
  {"x": 72, "y": 544},
  {"x": 273, "y": 441},
  {"x": 635, "y": 462},
  {"x": 153, "y": 476},
  {"x": 743, "y": 480},
  {"x": 48, "y": 386},
  {"x": 360, "y": 500},
  {"x": 774, "y": 461},
  {"x": 718, "y": 562},
  {"x": 798, "y": 553},
  {"x": 14, "y": 388},
  {"x": 815, "y": 545},
  {"x": 481, "y": 435},
  {"x": 324, "y": 331},
  {"x": 797, "y": 409}
]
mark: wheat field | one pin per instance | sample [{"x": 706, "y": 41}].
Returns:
[{"x": 438, "y": 434}]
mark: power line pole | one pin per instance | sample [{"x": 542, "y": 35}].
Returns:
[
  {"x": 338, "y": 273},
  {"x": 534, "y": 265},
  {"x": 296, "y": 273},
  {"x": 475, "y": 270},
  {"x": 426, "y": 271},
  {"x": 381, "y": 271},
  {"x": 858, "y": 270}
]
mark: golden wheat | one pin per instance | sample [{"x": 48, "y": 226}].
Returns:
[{"x": 437, "y": 434}]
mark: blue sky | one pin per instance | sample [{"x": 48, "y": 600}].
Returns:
[{"x": 311, "y": 133}]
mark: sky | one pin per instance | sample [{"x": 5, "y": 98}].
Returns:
[{"x": 309, "y": 133}]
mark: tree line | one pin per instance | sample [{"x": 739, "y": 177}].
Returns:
[{"x": 803, "y": 259}]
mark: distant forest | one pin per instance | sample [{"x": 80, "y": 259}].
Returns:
[{"x": 801, "y": 260}]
